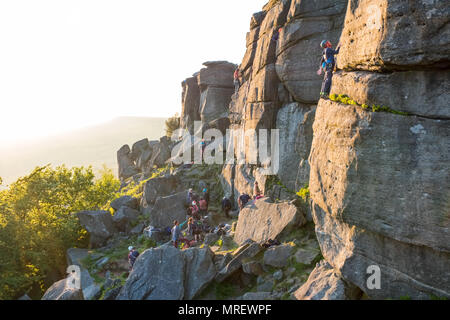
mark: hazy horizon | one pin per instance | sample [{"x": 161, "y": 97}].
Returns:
[
  {"x": 94, "y": 145},
  {"x": 67, "y": 65}
]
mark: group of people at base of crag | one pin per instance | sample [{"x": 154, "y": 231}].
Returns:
[
  {"x": 193, "y": 230},
  {"x": 327, "y": 66}
]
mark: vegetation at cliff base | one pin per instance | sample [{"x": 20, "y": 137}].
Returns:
[{"x": 38, "y": 225}]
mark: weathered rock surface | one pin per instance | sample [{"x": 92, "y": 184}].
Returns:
[
  {"x": 161, "y": 153},
  {"x": 124, "y": 217},
  {"x": 61, "y": 291},
  {"x": 422, "y": 93},
  {"x": 167, "y": 209},
  {"x": 298, "y": 50},
  {"x": 325, "y": 284},
  {"x": 295, "y": 124},
  {"x": 160, "y": 187},
  {"x": 392, "y": 34},
  {"x": 278, "y": 256},
  {"x": 166, "y": 273},
  {"x": 379, "y": 186},
  {"x": 263, "y": 220},
  {"x": 126, "y": 201},
  {"x": 90, "y": 290},
  {"x": 99, "y": 224},
  {"x": 127, "y": 167},
  {"x": 247, "y": 251}
]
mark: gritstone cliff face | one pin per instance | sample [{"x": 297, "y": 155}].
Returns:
[{"x": 379, "y": 181}]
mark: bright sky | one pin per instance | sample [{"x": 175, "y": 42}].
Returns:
[{"x": 66, "y": 64}]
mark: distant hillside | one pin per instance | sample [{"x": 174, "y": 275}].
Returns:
[{"x": 95, "y": 145}]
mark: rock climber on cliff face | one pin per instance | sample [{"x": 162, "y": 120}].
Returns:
[{"x": 327, "y": 64}]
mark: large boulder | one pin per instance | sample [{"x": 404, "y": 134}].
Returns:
[
  {"x": 325, "y": 284},
  {"x": 200, "y": 271},
  {"x": 263, "y": 220},
  {"x": 89, "y": 288},
  {"x": 141, "y": 153},
  {"x": 127, "y": 201},
  {"x": 124, "y": 218},
  {"x": 160, "y": 154},
  {"x": 245, "y": 252},
  {"x": 127, "y": 167},
  {"x": 278, "y": 256},
  {"x": 160, "y": 187},
  {"x": 100, "y": 226},
  {"x": 167, "y": 209},
  {"x": 61, "y": 290},
  {"x": 166, "y": 273},
  {"x": 379, "y": 187}
]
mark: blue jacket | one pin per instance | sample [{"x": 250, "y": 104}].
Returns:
[
  {"x": 176, "y": 231},
  {"x": 328, "y": 61}
]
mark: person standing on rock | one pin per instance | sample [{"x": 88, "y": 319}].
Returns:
[
  {"x": 226, "y": 206},
  {"x": 176, "y": 233},
  {"x": 237, "y": 82},
  {"x": 327, "y": 64}
]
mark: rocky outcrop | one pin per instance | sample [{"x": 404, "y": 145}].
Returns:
[
  {"x": 124, "y": 218},
  {"x": 167, "y": 209},
  {"x": 278, "y": 256},
  {"x": 160, "y": 187},
  {"x": 325, "y": 284},
  {"x": 247, "y": 251},
  {"x": 126, "y": 201},
  {"x": 127, "y": 167},
  {"x": 166, "y": 273},
  {"x": 263, "y": 220},
  {"x": 100, "y": 226},
  {"x": 206, "y": 96},
  {"x": 62, "y": 291},
  {"x": 379, "y": 181},
  {"x": 386, "y": 213}
]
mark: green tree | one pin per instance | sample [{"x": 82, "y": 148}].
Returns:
[
  {"x": 172, "y": 124},
  {"x": 37, "y": 224}
]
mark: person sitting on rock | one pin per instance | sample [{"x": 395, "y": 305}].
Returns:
[
  {"x": 237, "y": 82},
  {"x": 133, "y": 254},
  {"x": 226, "y": 206},
  {"x": 327, "y": 64},
  {"x": 257, "y": 194},
  {"x": 243, "y": 200}
]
